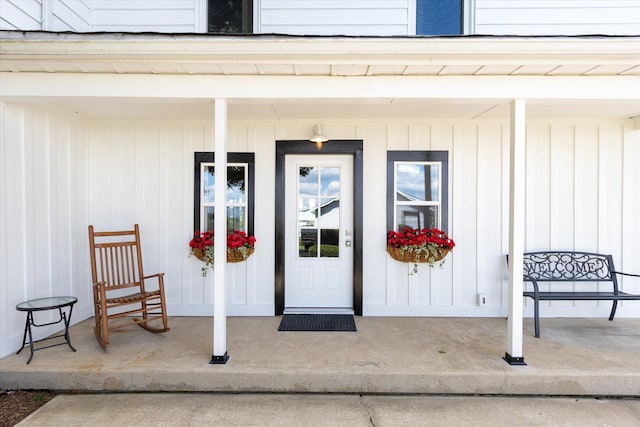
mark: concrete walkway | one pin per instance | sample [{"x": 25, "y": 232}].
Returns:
[
  {"x": 463, "y": 356},
  {"x": 330, "y": 410}
]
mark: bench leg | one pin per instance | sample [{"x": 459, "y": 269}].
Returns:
[
  {"x": 613, "y": 309},
  {"x": 536, "y": 316}
]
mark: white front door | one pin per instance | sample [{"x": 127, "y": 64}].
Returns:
[{"x": 318, "y": 233}]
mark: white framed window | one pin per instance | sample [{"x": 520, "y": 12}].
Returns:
[
  {"x": 417, "y": 190},
  {"x": 237, "y": 179},
  {"x": 418, "y": 195},
  {"x": 240, "y": 193}
]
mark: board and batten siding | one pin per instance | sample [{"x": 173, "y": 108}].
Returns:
[
  {"x": 557, "y": 17},
  {"x": 60, "y": 174},
  {"x": 43, "y": 206},
  {"x": 21, "y": 15},
  {"x": 67, "y": 15},
  {"x": 167, "y": 16},
  {"x": 34, "y": 15},
  {"x": 335, "y": 17}
]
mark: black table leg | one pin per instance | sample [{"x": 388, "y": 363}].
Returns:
[
  {"x": 27, "y": 330},
  {"x": 30, "y": 320},
  {"x": 67, "y": 321},
  {"x": 24, "y": 336}
]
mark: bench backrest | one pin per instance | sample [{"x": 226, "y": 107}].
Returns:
[{"x": 557, "y": 266}]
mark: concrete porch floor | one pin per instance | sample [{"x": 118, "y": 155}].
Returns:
[{"x": 588, "y": 357}]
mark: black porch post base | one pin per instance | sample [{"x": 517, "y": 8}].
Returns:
[
  {"x": 219, "y": 360},
  {"x": 514, "y": 361}
]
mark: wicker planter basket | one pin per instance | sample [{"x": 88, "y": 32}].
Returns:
[
  {"x": 233, "y": 255},
  {"x": 435, "y": 254}
]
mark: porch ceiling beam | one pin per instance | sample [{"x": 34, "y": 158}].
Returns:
[{"x": 319, "y": 87}]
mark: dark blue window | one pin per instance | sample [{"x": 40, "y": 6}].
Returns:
[{"x": 439, "y": 17}]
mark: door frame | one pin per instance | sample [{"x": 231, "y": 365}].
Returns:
[{"x": 347, "y": 146}]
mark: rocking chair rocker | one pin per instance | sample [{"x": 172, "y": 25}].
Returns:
[{"x": 120, "y": 296}]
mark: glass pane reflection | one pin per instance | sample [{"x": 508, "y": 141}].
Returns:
[
  {"x": 307, "y": 181},
  {"x": 307, "y": 244},
  {"x": 416, "y": 217},
  {"x": 307, "y": 212},
  {"x": 209, "y": 179},
  {"x": 417, "y": 182},
  {"x": 329, "y": 213},
  {"x": 318, "y": 211},
  {"x": 209, "y": 217},
  {"x": 329, "y": 243},
  {"x": 236, "y": 217},
  {"x": 236, "y": 184},
  {"x": 330, "y": 181}
]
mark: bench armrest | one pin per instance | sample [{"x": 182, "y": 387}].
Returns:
[
  {"x": 533, "y": 281},
  {"x": 626, "y": 274}
]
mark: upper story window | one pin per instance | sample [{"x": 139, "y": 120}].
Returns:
[
  {"x": 230, "y": 16},
  {"x": 439, "y": 17},
  {"x": 417, "y": 195},
  {"x": 240, "y": 194}
]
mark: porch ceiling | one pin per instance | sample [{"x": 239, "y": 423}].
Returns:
[{"x": 337, "y": 57}]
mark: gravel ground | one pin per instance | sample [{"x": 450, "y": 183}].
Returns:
[{"x": 15, "y": 405}]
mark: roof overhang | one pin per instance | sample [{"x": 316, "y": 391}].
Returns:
[{"x": 382, "y": 76}]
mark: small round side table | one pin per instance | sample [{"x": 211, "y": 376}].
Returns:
[{"x": 44, "y": 304}]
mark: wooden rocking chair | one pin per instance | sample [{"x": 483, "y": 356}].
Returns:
[{"x": 120, "y": 297}]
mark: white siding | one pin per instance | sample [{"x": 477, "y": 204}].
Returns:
[
  {"x": 335, "y": 17},
  {"x": 137, "y": 173},
  {"x": 43, "y": 206},
  {"x": 20, "y": 15},
  {"x": 476, "y": 223},
  {"x": 557, "y": 17},
  {"x": 60, "y": 174},
  {"x": 324, "y": 17},
  {"x": 59, "y": 15},
  {"x": 67, "y": 15},
  {"x": 166, "y": 16},
  {"x": 582, "y": 170}
]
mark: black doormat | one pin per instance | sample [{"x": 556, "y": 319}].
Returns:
[{"x": 317, "y": 322}]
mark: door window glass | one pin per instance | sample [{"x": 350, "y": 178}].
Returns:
[{"x": 318, "y": 211}]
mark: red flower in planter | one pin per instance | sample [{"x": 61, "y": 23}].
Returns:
[
  {"x": 202, "y": 246},
  {"x": 414, "y": 245}
]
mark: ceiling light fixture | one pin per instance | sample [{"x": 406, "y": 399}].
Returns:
[{"x": 318, "y": 135}]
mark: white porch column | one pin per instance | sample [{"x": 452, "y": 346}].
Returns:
[
  {"x": 514, "y": 355},
  {"x": 220, "y": 355}
]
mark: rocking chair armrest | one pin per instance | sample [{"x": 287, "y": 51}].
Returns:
[
  {"x": 158, "y": 275},
  {"x": 99, "y": 284}
]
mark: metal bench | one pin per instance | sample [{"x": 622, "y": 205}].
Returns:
[{"x": 563, "y": 266}]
